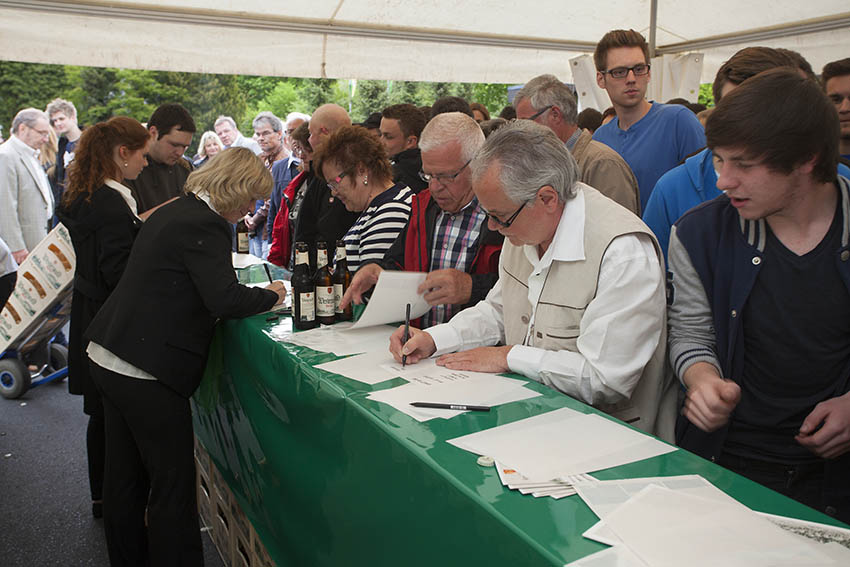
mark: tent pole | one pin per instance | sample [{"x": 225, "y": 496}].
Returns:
[{"x": 653, "y": 18}]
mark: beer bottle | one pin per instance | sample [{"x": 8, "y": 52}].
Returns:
[
  {"x": 325, "y": 311},
  {"x": 341, "y": 279},
  {"x": 242, "y": 237},
  {"x": 303, "y": 292}
]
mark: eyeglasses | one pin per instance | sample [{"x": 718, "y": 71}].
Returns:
[
  {"x": 506, "y": 223},
  {"x": 333, "y": 184},
  {"x": 539, "y": 112},
  {"x": 444, "y": 178},
  {"x": 622, "y": 72}
]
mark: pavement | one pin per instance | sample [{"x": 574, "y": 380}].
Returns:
[{"x": 45, "y": 505}]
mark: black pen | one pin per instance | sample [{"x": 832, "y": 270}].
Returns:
[
  {"x": 268, "y": 273},
  {"x": 462, "y": 407},
  {"x": 406, "y": 336}
]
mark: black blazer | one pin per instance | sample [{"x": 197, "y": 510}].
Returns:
[
  {"x": 102, "y": 229},
  {"x": 178, "y": 281}
]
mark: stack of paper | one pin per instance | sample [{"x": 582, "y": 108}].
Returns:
[
  {"x": 428, "y": 382},
  {"x": 556, "y": 489},
  {"x": 339, "y": 339},
  {"x": 672, "y": 521},
  {"x": 555, "y": 446}
]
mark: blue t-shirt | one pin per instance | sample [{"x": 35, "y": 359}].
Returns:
[{"x": 654, "y": 144}]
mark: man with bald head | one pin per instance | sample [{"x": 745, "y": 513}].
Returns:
[
  {"x": 548, "y": 101},
  {"x": 579, "y": 304},
  {"x": 447, "y": 234},
  {"x": 323, "y": 218},
  {"x": 26, "y": 201}
]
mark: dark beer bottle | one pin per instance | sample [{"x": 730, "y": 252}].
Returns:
[
  {"x": 341, "y": 279},
  {"x": 325, "y": 311},
  {"x": 242, "y": 237},
  {"x": 303, "y": 292}
]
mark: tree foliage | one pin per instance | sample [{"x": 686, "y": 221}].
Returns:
[{"x": 100, "y": 93}]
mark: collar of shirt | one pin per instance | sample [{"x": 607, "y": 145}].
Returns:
[
  {"x": 568, "y": 243},
  {"x": 204, "y": 196},
  {"x": 125, "y": 193},
  {"x": 571, "y": 141},
  {"x": 466, "y": 209},
  {"x": 22, "y": 147}
]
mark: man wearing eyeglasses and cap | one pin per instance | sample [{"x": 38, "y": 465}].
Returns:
[
  {"x": 652, "y": 137},
  {"x": 447, "y": 234},
  {"x": 579, "y": 304}
]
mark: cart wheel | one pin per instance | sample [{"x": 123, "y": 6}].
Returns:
[
  {"x": 14, "y": 378},
  {"x": 58, "y": 358}
]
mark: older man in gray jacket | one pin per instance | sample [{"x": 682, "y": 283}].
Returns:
[{"x": 26, "y": 201}]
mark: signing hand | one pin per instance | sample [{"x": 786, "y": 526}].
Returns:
[
  {"x": 420, "y": 345},
  {"x": 481, "y": 359},
  {"x": 447, "y": 287},
  {"x": 365, "y": 278},
  {"x": 279, "y": 289},
  {"x": 833, "y": 438},
  {"x": 249, "y": 221},
  {"x": 710, "y": 399}
]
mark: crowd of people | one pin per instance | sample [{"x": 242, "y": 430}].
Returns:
[{"x": 686, "y": 270}]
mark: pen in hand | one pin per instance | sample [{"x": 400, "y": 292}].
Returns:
[
  {"x": 406, "y": 336},
  {"x": 268, "y": 272}
]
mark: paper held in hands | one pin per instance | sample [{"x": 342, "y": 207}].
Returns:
[{"x": 389, "y": 300}]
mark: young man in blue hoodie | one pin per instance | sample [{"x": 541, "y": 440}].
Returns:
[{"x": 695, "y": 181}]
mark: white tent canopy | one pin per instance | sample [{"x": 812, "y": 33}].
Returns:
[{"x": 424, "y": 40}]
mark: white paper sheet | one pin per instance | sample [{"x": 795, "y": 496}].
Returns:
[
  {"x": 339, "y": 340},
  {"x": 440, "y": 385},
  {"x": 245, "y": 260},
  {"x": 575, "y": 444},
  {"x": 366, "y": 368},
  {"x": 668, "y": 528},
  {"x": 394, "y": 290},
  {"x": 619, "y": 556}
]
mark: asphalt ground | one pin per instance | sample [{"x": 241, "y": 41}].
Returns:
[{"x": 45, "y": 505}]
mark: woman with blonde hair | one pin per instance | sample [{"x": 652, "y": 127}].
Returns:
[
  {"x": 100, "y": 214},
  {"x": 208, "y": 147},
  {"x": 148, "y": 348}
]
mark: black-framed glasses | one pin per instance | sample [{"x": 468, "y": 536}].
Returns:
[
  {"x": 505, "y": 223},
  {"x": 333, "y": 184},
  {"x": 622, "y": 72},
  {"x": 539, "y": 112},
  {"x": 444, "y": 178}
]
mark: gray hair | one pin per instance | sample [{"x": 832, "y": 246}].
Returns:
[
  {"x": 28, "y": 116},
  {"x": 221, "y": 119},
  {"x": 292, "y": 116},
  {"x": 548, "y": 90},
  {"x": 452, "y": 127},
  {"x": 530, "y": 156},
  {"x": 270, "y": 119}
]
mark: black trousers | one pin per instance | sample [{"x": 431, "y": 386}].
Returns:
[{"x": 149, "y": 464}]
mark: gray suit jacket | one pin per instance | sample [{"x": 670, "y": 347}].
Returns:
[{"x": 26, "y": 205}]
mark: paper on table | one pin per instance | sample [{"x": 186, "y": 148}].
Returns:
[
  {"x": 367, "y": 367},
  {"x": 446, "y": 386},
  {"x": 338, "y": 340},
  {"x": 394, "y": 290},
  {"x": 668, "y": 528},
  {"x": 619, "y": 556},
  {"x": 554, "y": 417},
  {"x": 573, "y": 445},
  {"x": 245, "y": 260}
]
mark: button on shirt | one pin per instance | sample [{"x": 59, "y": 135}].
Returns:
[{"x": 619, "y": 331}]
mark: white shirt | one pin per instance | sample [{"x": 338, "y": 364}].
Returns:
[
  {"x": 35, "y": 168},
  {"x": 618, "y": 334}
]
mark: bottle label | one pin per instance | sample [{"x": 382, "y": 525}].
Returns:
[
  {"x": 321, "y": 258},
  {"x": 242, "y": 241},
  {"x": 308, "y": 306},
  {"x": 340, "y": 253},
  {"x": 302, "y": 258},
  {"x": 325, "y": 301},
  {"x": 338, "y": 293}
]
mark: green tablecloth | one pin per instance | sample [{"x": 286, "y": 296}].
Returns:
[{"x": 328, "y": 477}]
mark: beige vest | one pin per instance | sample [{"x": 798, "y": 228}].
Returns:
[{"x": 569, "y": 288}]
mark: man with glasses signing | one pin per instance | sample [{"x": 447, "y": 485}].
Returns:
[
  {"x": 447, "y": 235},
  {"x": 580, "y": 300},
  {"x": 651, "y": 137}
]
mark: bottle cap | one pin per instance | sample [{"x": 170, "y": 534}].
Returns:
[{"x": 486, "y": 461}]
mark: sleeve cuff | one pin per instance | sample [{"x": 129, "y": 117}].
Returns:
[
  {"x": 526, "y": 360},
  {"x": 446, "y": 339}
]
